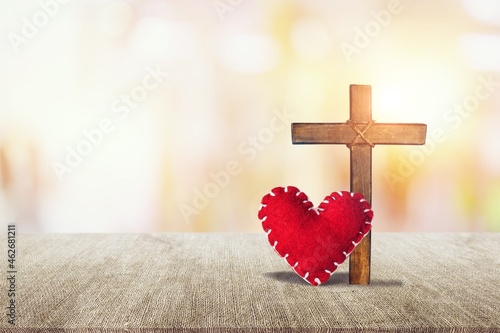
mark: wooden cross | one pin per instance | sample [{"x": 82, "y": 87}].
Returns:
[{"x": 360, "y": 134}]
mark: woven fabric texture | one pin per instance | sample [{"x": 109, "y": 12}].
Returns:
[{"x": 226, "y": 282}]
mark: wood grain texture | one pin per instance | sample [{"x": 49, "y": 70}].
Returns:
[
  {"x": 360, "y": 98},
  {"x": 342, "y": 133},
  {"x": 360, "y": 102}
]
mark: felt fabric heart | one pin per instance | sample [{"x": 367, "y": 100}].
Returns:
[{"x": 314, "y": 241}]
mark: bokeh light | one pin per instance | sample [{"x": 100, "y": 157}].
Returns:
[{"x": 200, "y": 99}]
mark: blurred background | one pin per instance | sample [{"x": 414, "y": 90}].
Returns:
[{"x": 149, "y": 115}]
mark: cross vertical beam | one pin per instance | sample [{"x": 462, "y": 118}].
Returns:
[{"x": 360, "y": 101}]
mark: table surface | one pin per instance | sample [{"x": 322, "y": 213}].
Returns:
[{"x": 222, "y": 282}]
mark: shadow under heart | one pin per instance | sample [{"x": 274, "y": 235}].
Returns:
[{"x": 339, "y": 278}]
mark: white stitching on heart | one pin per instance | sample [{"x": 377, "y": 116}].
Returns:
[
  {"x": 264, "y": 219},
  {"x": 303, "y": 277},
  {"x": 317, "y": 210}
]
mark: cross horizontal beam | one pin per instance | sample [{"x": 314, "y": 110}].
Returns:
[{"x": 343, "y": 133}]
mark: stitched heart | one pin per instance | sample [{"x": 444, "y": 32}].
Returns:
[{"x": 314, "y": 241}]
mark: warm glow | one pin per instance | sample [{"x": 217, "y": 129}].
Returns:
[
  {"x": 418, "y": 94},
  {"x": 192, "y": 91}
]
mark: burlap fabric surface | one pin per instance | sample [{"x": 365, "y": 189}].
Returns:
[{"x": 235, "y": 282}]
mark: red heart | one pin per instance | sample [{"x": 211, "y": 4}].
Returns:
[{"x": 314, "y": 241}]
